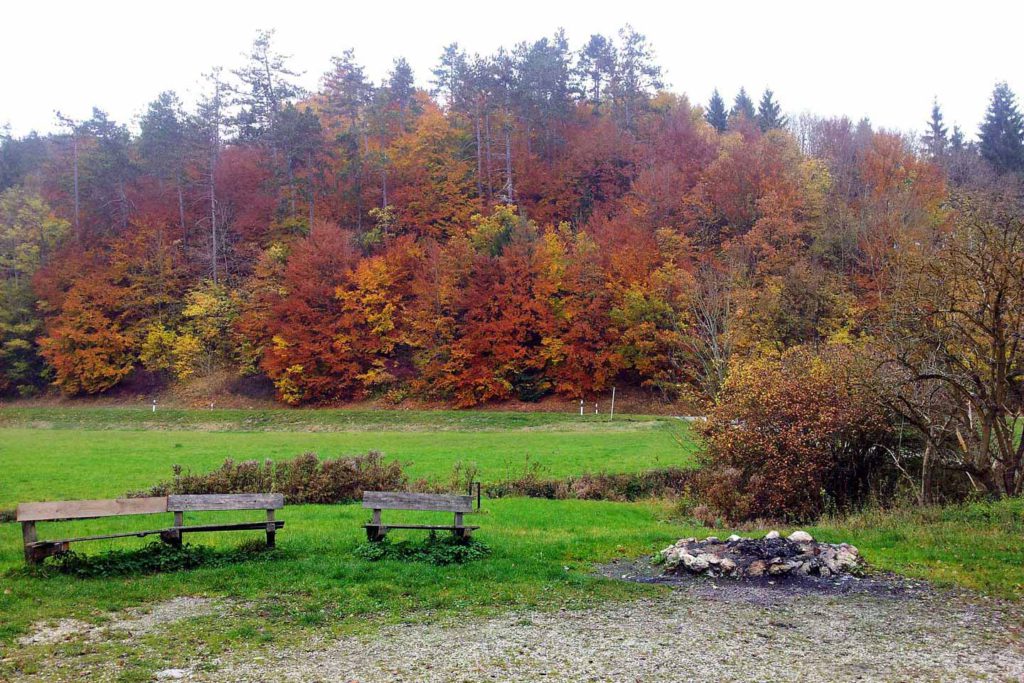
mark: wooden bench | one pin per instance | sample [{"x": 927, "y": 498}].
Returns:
[
  {"x": 376, "y": 530},
  {"x": 31, "y": 513}
]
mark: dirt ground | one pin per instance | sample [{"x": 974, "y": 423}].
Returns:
[{"x": 881, "y": 628}]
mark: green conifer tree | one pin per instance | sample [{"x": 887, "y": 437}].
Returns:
[
  {"x": 743, "y": 106},
  {"x": 935, "y": 142},
  {"x": 769, "y": 114},
  {"x": 1002, "y": 133},
  {"x": 716, "y": 114}
]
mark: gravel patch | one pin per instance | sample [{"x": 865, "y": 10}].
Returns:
[
  {"x": 132, "y": 622},
  {"x": 725, "y": 629}
]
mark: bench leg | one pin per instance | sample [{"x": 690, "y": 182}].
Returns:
[
  {"x": 172, "y": 537},
  {"x": 460, "y": 531},
  {"x": 28, "y": 536},
  {"x": 39, "y": 552},
  {"x": 271, "y": 529},
  {"x": 376, "y": 531}
]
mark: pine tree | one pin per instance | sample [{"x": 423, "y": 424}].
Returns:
[
  {"x": 401, "y": 86},
  {"x": 934, "y": 140},
  {"x": 595, "y": 69},
  {"x": 716, "y": 114},
  {"x": 265, "y": 85},
  {"x": 637, "y": 75},
  {"x": 743, "y": 106},
  {"x": 1002, "y": 133},
  {"x": 769, "y": 114},
  {"x": 956, "y": 141}
]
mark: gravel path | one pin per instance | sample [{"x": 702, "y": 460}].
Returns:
[{"x": 702, "y": 630}]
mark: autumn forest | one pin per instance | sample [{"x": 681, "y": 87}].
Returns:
[{"x": 542, "y": 220}]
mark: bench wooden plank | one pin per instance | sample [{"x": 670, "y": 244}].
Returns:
[
  {"x": 237, "y": 526},
  {"x": 100, "y": 537},
  {"x": 89, "y": 509},
  {"x": 226, "y": 501},
  {"x": 388, "y": 500}
]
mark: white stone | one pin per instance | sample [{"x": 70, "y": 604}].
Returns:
[
  {"x": 846, "y": 559},
  {"x": 727, "y": 565},
  {"x": 771, "y": 534},
  {"x": 711, "y": 539},
  {"x": 709, "y": 558},
  {"x": 734, "y": 538},
  {"x": 170, "y": 674},
  {"x": 800, "y": 537},
  {"x": 695, "y": 564}
]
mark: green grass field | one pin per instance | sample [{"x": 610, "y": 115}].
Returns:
[
  {"x": 49, "y": 454},
  {"x": 542, "y": 550}
]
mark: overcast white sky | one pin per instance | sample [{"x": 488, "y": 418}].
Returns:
[{"x": 883, "y": 60}]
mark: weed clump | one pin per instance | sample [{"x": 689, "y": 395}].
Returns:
[
  {"x": 434, "y": 550},
  {"x": 154, "y": 558}
]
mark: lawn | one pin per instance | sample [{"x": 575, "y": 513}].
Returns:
[
  {"x": 542, "y": 550},
  {"x": 51, "y": 454}
]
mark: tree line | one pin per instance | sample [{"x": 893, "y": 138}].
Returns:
[{"x": 540, "y": 220}]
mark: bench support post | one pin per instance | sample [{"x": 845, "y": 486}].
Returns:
[
  {"x": 375, "y": 531},
  {"x": 28, "y": 537},
  {"x": 172, "y": 537},
  {"x": 461, "y": 531},
  {"x": 271, "y": 529}
]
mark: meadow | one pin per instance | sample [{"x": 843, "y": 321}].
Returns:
[
  {"x": 49, "y": 454},
  {"x": 542, "y": 551}
]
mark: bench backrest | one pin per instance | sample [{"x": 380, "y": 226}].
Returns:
[
  {"x": 226, "y": 501},
  {"x": 392, "y": 500},
  {"x": 88, "y": 509}
]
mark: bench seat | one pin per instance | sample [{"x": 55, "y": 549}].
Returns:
[{"x": 37, "y": 550}]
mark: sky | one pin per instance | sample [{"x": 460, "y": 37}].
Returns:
[{"x": 882, "y": 60}]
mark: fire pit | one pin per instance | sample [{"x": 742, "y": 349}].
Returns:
[{"x": 771, "y": 555}]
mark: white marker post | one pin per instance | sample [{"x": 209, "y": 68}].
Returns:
[
  {"x": 581, "y": 407},
  {"x": 611, "y": 414},
  {"x": 154, "y": 405}
]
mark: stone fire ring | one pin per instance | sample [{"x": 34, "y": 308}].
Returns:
[{"x": 771, "y": 555}]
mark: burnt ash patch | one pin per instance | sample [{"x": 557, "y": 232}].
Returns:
[{"x": 766, "y": 589}]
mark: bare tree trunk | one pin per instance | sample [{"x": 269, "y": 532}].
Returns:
[
  {"x": 181, "y": 216},
  {"x": 509, "y": 188},
  {"x": 78, "y": 225},
  {"x": 487, "y": 143},
  {"x": 213, "y": 223},
  {"x": 479, "y": 157},
  {"x": 927, "y": 494},
  {"x": 312, "y": 204}
]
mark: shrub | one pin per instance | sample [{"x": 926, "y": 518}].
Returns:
[
  {"x": 531, "y": 483},
  {"x": 308, "y": 479},
  {"x": 304, "y": 479},
  {"x": 790, "y": 435}
]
